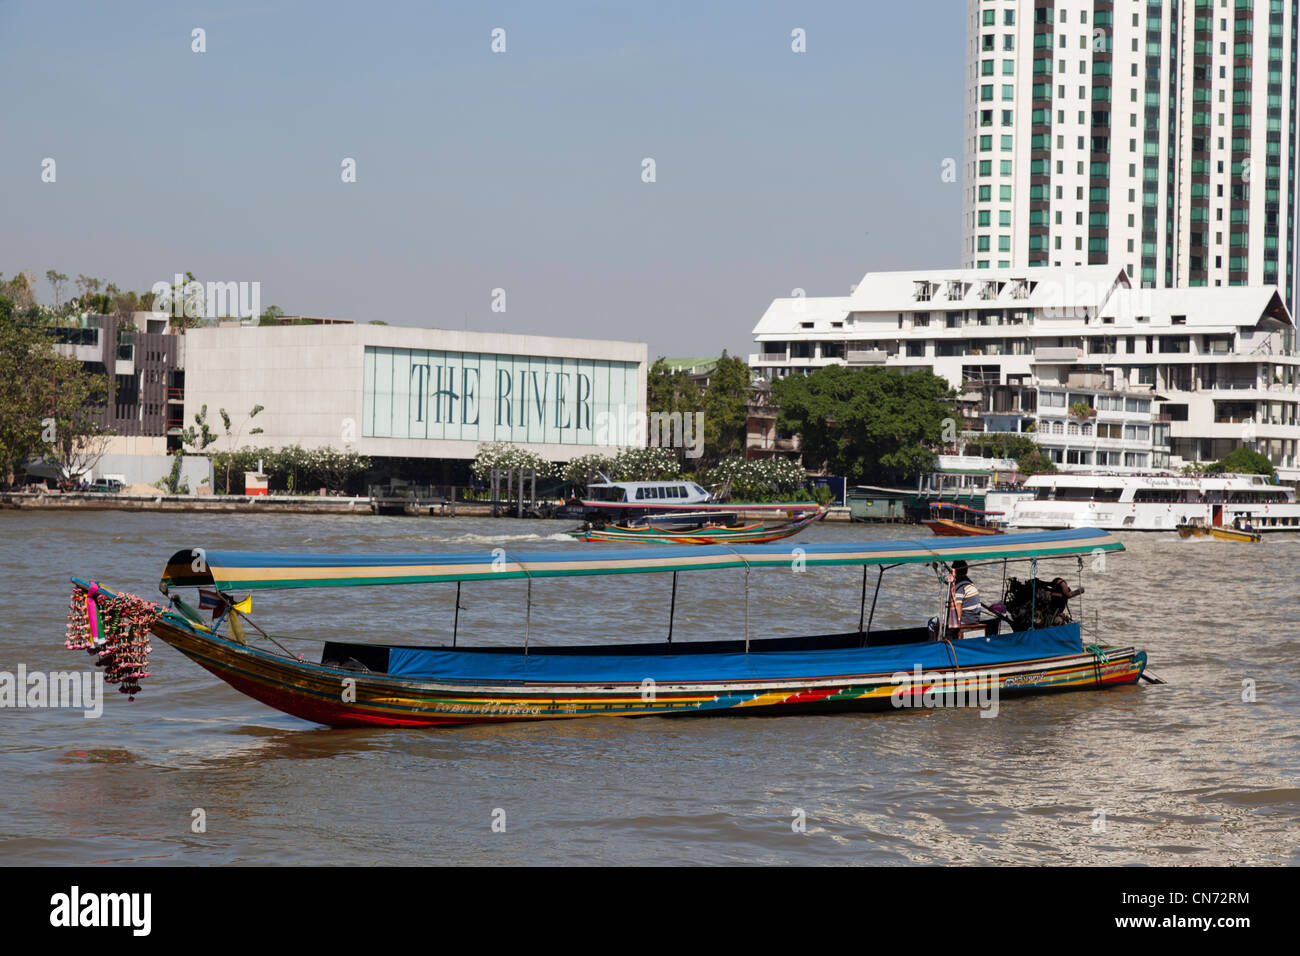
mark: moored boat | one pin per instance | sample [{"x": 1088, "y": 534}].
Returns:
[
  {"x": 374, "y": 684},
  {"x": 698, "y": 528},
  {"x": 948, "y": 520},
  {"x": 1148, "y": 502}
]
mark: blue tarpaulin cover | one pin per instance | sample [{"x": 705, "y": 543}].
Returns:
[{"x": 432, "y": 664}]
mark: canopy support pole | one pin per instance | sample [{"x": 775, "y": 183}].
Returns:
[
  {"x": 1033, "y": 593},
  {"x": 672, "y": 609},
  {"x": 528, "y": 615},
  {"x": 874, "y": 597},
  {"x": 862, "y": 607},
  {"x": 455, "y": 626},
  {"x": 746, "y": 607}
]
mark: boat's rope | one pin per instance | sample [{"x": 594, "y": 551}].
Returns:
[{"x": 1099, "y": 657}]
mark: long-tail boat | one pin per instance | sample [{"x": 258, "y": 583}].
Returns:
[
  {"x": 735, "y": 672},
  {"x": 702, "y": 528},
  {"x": 949, "y": 519}
]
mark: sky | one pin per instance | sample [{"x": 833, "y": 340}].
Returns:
[{"x": 476, "y": 170}]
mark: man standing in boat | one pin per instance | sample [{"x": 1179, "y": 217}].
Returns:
[{"x": 963, "y": 598}]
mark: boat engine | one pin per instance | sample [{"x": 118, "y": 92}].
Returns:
[{"x": 1050, "y": 601}]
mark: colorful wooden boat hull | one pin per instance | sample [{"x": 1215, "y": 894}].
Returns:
[
  {"x": 949, "y": 529},
  {"x": 745, "y": 534},
  {"x": 340, "y": 697}
]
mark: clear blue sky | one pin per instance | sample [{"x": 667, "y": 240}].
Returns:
[{"x": 477, "y": 170}]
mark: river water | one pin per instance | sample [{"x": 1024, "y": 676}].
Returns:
[{"x": 1184, "y": 773}]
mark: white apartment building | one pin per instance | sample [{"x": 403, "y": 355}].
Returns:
[
  {"x": 1204, "y": 370},
  {"x": 1156, "y": 136}
]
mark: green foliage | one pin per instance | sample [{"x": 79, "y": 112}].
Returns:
[
  {"x": 645, "y": 464},
  {"x": 725, "y": 408},
  {"x": 872, "y": 425},
  {"x": 772, "y": 479},
  {"x": 1034, "y": 462},
  {"x": 233, "y": 435},
  {"x": 1246, "y": 461},
  {"x": 581, "y": 471},
  {"x": 49, "y": 405},
  {"x": 1082, "y": 410},
  {"x": 670, "y": 390},
  {"x": 76, "y": 403},
  {"x": 1029, "y": 456},
  {"x": 505, "y": 456},
  {"x": 294, "y": 468},
  {"x": 998, "y": 444},
  {"x": 174, "y": 484},
  {"x": 199, "y": 436}
]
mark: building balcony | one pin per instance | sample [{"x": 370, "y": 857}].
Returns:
[
  {"x": 1057, "y": 354},
  {"x": 768, "y": 358},
  {"x": 867, "y": 356}
]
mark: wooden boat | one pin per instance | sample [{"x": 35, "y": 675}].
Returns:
[
  {"x": 701, "y": 529},
  {"x": 950, "y": 519},
  {"x": 400, "y": 685}
]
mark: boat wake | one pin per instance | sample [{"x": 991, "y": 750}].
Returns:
[{"x": 505, "y": 538}]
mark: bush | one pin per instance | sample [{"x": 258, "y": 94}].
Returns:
[
  {"x": 506, "y": 456},
  {"x": 645, "y": 464},
  {"x": 775, "y": 479}
]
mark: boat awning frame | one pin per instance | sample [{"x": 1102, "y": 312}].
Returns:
[{"x": 251, "y": 571}]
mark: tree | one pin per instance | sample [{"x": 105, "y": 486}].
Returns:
[
  {"x": 87, "y": 286},
  {"x": 56, "y": 280},
  {"x": 20, "y": 291},
  {"x": 197, "y": 437},
  {"x": 1246, "y": 461},
  {"x": 271, "y": 315},
  {"x": 871, "y": 425},
  {"x": 645, "y": 464},
  {"x": 725, "y": 407},
  {"x": 46, "y": 400},
  {"x": 1034, "y": 462},
  {"x": 583, "y": 470},
  {"x": 77, "y": 400},
  {"x": 336, "y": 470},
  {"x": 21, "y": 403},
  {"x": 184, "y": 301},
  {"x": 233, "y": 434},
  {"x": 670, "y": 390}
]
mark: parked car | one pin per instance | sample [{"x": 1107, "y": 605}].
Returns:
[{"x": 106, "y": 485}]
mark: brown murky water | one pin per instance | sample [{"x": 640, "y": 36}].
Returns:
[{"x": 1185, "y": 773}]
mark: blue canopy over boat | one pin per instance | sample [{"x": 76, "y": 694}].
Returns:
[{"x": 246, "y": 571}]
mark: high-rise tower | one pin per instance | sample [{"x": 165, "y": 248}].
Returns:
[{"x": 1154, "y": 135}]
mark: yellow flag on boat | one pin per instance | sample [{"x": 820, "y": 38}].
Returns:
[
  {"x": 234, "y": 628},
  {"x": 245, "y": 606}
]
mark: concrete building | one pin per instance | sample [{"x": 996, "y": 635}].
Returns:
[
  {"x": 144, "y": 359},
  {"x": 1185, "y": 373},
  {"x": 1158, "y": 137},
  {"x": 412, "y": 393}
]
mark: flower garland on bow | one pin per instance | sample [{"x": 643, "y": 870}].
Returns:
[{"x": 115, "y": 627}]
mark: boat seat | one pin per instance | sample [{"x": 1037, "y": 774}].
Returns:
[{"x": 980, "y": 629}]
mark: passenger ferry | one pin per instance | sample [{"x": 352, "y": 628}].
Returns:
[{"x": 1148, "y": 502}]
